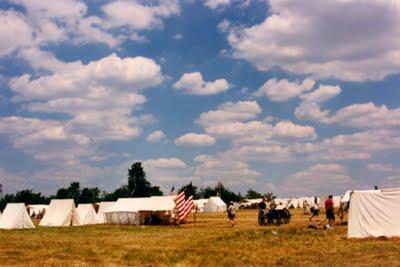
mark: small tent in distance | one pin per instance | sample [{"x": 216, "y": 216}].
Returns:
[
  {"x": 215, "y": 204},
  {"x": 15, "y": 216},
  {"x": 61, "y": 212},
  {"x": 374, "y": 213},
  {"x": 87, "y": 214}
]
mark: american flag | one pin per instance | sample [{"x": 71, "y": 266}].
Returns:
[{"x": 184, "y": 205}]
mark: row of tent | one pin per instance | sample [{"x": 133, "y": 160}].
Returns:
[{"x": 62, "y": 212}]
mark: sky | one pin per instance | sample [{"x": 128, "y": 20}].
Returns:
[{"x": 299, "y": 98}]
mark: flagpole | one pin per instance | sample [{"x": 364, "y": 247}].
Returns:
[{"x": 194, "y": 216}]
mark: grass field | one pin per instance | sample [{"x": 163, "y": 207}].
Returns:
[{"x": 212, "y": 242}]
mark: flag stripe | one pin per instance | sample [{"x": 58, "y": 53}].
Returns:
[{"x": 183, "y": 206}]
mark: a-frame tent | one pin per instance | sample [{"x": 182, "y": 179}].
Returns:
[
  {"x": 61, "y": 212},
  {"x": 87, "y": 214},
  {"x": 15, "y": 216}
]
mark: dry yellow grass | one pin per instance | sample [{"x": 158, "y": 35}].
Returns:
[{"x": 212, "y": 242}]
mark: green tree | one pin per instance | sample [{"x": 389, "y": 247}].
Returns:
[
  {"x": 73, "y": 191},
  {"x": 89, "y": 195},
  {"x": 156, "y": 191},
  {"x": 137, "y": 183},
  {"x": 120, "y": 192},
  {"x": 62, "y": 193},
  {"x": 191, "y": 189},
  {"x": 251, "y": 194}
]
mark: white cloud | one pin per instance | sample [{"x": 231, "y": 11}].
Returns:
[
  {"x": 214, "y": 4},
  {"x": 322, "y": 94},
  {"x": 363, "y": 116},
  {"x": 193, "y": 83},
  {"x": 193, "y": 139},
  {"x": 178, "y": 36},
  {"x": 15, "y": 32},
  {"x": 99, "y": 99},
  {"x": 283, "y": 90},
  {"x": 210, "y": 169},
  {"x": 318, "y": 180},
  {"x": 138, "y": 16},
  {"x": 224, "y": 25},
  {"x": 230, "y": 112},
  {"x": 164, "y": 163},
  {"x": 324, "y": 38},
  {"x": 378, "y": 167},
  {"x": 289, "y": 129},
  {"x": 156, "y": 136}
]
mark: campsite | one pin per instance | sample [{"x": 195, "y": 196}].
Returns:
[
  {"x": 199, "y": 133},
  {"x": 211, "y": 242}
]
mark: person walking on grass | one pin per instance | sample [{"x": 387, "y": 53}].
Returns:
[
  {"x": 231, "y": 213},
  {"x": 330, "y": 210},
  {"x": 315, "y": 209}
]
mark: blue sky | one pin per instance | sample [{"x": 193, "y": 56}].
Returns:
[{"x": 295, "y": 97}]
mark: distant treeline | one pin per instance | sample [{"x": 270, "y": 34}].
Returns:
[{"x": 137, "y": 186}]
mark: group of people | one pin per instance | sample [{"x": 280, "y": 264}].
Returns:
[
  {"x": 266, "y": 205},
  {"x": 329, "y": 210}
]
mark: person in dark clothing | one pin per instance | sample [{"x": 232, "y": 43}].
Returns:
[{"x": 262, "y": 205}]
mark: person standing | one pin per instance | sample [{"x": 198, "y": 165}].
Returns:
[
  {"x": 315, "y": 209},
  {"x": 231, "y": 213},
  {"x": 330, "y": 210}
]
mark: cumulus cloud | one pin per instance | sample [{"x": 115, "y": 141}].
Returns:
[
  {"x": 139, "y": 16},
  {"x": 193, "y": 83},
  {"x": 283, "y": 90},
  {"x": 214, "y": 4},
  {"x": 99, "y": 99},
  {"x": 193, "y": 139},
  {"x": 156, "y": 136},
  {"x": 364, "y": 116},
  {"x": 164, "y": 163},
  {"x": 322, "y": 94},
  {"x": 378, "y": 167},
  {"x": 40, "y": 23},
  {"x": 210, "y": 169},
  {"x": 324, "y": 38},
  {"x": 230, "y": 112},
  {"x": 167, "y": 171},
  {"x": 15, "y": 32},
  {"x": 319, "y": 179}
]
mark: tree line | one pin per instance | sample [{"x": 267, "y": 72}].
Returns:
[{"x": 137, "y": 186}]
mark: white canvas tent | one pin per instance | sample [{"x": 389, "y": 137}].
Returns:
[
  {"x": 133, "y": 210},
  {"x": 374, "y": 213},
  {"x": 200, "y": 203},
  {"x": 61, "y": 212},
  {"x": 15, "y": 216},
  {"x": 103, "y": 207},
  {"x": 215, "y": 204},
  {"x": 87, "y": 214}
]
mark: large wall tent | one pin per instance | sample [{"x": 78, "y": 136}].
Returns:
[
  {"x": 61, "y": 212},
  {"x": 374, "y": 213},
  {"x": 87, "y": 214},
  {"x": 135, "y": 210},
  {"x": 103, "y": 207},
  {"x": 215, "y": 204},
  {"x": 15, "y": 216}
]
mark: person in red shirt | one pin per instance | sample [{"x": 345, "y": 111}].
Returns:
[{"x": 330, "y": 211}]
